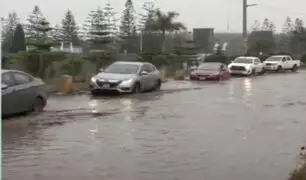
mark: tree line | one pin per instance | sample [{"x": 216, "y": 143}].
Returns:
[
  {"x": 99, "y": 30},
  {"x": 291, "y": 39}
]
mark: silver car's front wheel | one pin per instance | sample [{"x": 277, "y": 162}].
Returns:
[
  {"x": 137, "y": 88},
  {"x": 38, "y": 105},
  {"x": 158, "y": 85}
]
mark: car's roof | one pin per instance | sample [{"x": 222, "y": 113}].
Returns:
[
  {"x": 130, "y": 62},
  {"x": 10, "y": 70},
  {"x": 280, "y": 56}
]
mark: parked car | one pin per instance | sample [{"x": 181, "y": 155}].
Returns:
[
  {"x": 210, "y": 71},
  {"x": 280, "y": 62},
  {"x": 126, "y": 77},
  {"x": 22, "y": 92},
  {"x": 244, "y": 65}
]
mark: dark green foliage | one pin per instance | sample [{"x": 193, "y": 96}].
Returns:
[
  {"x": 128, "y": 24},
  {"x": 97, "y": 30},
  {"x": 147, "y": 18},
  {"x": 73, "y": 66},
  {"x": 37, "y": 31},
  {"x": 69, "y": 30},
  {"x": 35, "y": 62},
  {"x": 218, "y": 58},
  {"x": 19, "y": 43},
  {"x": 8, "y": 27},
  {"x": 100, "y": 59},
  {"x": 157, "y": 58}
]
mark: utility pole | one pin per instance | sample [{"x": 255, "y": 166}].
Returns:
[{"x": 244, "y": 23}]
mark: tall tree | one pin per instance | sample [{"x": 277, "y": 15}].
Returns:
[
  {"x": 110, "y": 19},
  {"x": 42, "y": 41},
  {"x": 69, "y": 30},
  {"x": 285, "y": 38},
  {"x": 147, "y": 17},
  {"x": 19, "y": 43},
  {"x": 96, "y": 31},
  {"x": 165, "y": 22},
  {"x": 8, "y": 27},
  {"x": 34, "y": 19},
  {"x": 128, "y": 20},
  {"x": 56, "y": 34},
  {"x": 298, "y": 37},
  {"x": 288, "y": 26},
  {"x": 256, "y": 26},
  {"x": 298, "y": 25}
]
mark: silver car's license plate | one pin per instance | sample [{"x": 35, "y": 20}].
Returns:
[{"x": 106, "y": 85}]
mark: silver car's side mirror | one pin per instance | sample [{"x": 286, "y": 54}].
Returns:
[
  {"x": 101, "y": 70},
  {"x": 143, "y": 73},
  {"x": 4, "y": 86}
]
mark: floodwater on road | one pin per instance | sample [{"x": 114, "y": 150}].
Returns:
[{"x": 242, "y": 129}]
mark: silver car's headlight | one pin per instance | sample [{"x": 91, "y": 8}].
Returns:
[
  {"x": 127, "y": 82},
  {"x": 93, "y": 79}
]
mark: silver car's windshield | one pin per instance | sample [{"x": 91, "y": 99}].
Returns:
[
  {"x": 243, "y": 61},
  {"x": 273, "y": 58},
  {"x": 122, "y": 68}
]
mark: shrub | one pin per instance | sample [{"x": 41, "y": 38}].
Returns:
[{"x": 73, "y": 65}]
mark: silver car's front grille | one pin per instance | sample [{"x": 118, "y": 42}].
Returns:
[{"x": 107, "y": 83}]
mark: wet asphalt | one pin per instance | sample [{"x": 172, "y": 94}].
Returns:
[{"x": 247, "y": 128}]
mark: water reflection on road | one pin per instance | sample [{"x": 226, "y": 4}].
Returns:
[{"x": 245, "y": 128}]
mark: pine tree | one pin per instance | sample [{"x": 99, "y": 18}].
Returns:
[
  {"x": 56, "y": 34},
  {"x": 19, "y": 43},
  {"x": 110, "y": 20},
  {"x": 38, "y": 31},
  {"x": 8, "y": 27},
  {"x": 96, "y": 31},
  {"x": 288, "y": 26},
  {"x": 286, "y": 35},
  {"x": 128, "y": 26},
  {"x": 69, "y": 30},
  {"x": 256, "y": 26},
  {"x": 298, "y": 25},
  {"x": 265, "y": 25},
  {"x": 32, "y": 34},
  {"x": 147, "y": 18}
]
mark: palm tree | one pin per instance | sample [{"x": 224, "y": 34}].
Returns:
[{"x": 165, "y": 22}]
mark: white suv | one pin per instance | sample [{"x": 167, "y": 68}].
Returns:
[{"x": 246, "y": 66}]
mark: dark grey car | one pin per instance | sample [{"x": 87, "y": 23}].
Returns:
[
  {"x": 22, "y": 92},
  {"x": 126, "y": 77}
]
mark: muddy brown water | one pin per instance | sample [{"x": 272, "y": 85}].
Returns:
[{"x": 242, "y": 129}]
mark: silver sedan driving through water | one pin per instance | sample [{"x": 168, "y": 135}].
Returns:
[{"x": 126, "y": 77}]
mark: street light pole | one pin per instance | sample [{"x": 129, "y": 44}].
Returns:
[{"x": 244, "y": 23}]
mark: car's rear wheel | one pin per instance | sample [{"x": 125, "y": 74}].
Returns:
[
  {"x": 38, "y": 105},
  {"x": 157, "y": 85},
  {"x": 137, "y": 88},
  {"x": 294, "y": 68}
]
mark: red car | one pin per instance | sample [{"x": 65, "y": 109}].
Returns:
[{"x": 210, "y": 71}]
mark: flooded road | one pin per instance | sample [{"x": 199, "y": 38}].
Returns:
[{"x": 242, "y": 129}]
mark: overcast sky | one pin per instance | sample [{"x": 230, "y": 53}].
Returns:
[{"x": 217, "y": 14}]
